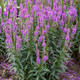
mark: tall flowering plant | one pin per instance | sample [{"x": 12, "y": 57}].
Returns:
[
  {"x": 2, "y": 34},
  {"x": 39, "y": 36},
  {"x": 76, "y": 41}
]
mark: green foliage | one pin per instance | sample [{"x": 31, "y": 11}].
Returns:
[
  {"x": 76, "y": 42},
  {"x": 24, "y": 61},
  {"x": 57, "y": 56},
  {"x": 2, "y": 43}
]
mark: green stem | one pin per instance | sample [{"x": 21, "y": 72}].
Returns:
[
  {"x": 52, "y": 5},
  {"x": 15, "y": 42},
  {"x": 2, "y": 7}
]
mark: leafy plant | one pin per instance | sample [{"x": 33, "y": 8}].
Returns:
[
  {"x": 38, "y": 37},
  {"x": 2, "y": 43},
  {"x": 76, "y": 42}
]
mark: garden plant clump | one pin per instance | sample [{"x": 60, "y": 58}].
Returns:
[
  {"x": 39, "y": 34},
  {"x": 76, "y": 42}
]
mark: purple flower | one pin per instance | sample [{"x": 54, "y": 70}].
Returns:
[
  {"x": 64, "y": 17},
  {"x": 0, "y": 29},
  {"x": 0, "y": 12},
  {"x": 65, "y": 30},
  {"x": 21, "y": 6},
  {"x": 78, "y": 78},
  {"x": 62, "y": 23},
  {"x": 5, "y": 13},
  {"x": 64, "y": 7},
  {"x": 45, "y": 58},
  {"x": 74, "y": 30},
  {"x": 37, "y": 55},
  {"x": 7, "y": 7},
  {"x": 10, "y": 1},
  {"x": 44, "y": 31},
  {"x": 33, "y": 1},
  {"x": 37, "y": 28},
  {"x": 23, "y": 13},
  {"x": 36, "y": 33},
  {"x": 14, "y": 2},
  {"x": 72, "y": 12},
  {"x": 24, "y": 32},
  {"x": 47, "y": 26},
  {"x": 14, "y": 26},
  {"x": 18, "y": 42},
  {"x": 67, "y": 37},
  {"x": 55, "y": 19},
  {"x": 58, "y": 18},
  {"x": 8, "y": 41},
  {"x": 38, "y": 60},
  {"x": 44, "y": 44},
  {"x": 9, "y": 21},
  {"x": 40, "y": 38},
  {"x": 12, "y": 9},
  {"x": 66, "y": 44},
  {"x": 2, "y": 22},
  {"x": 64, "y": 1},
  {"x": 36, "y": 7}
]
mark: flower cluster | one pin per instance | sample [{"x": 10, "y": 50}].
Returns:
[{"x": 34, "y": 20}]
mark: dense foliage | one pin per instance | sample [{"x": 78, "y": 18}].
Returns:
[
  {"x": 39, "y": 34},
  {"x": 2, "y": 43},
  {"x": 75, "y": 49}
]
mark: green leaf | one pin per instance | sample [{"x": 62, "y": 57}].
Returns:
[
  {"x": 10, "y": 53},
  {"x": 35, "y": 74},
  {"x": 15, "y": 65},
  {"x": 26, "y": 67},
  {"x": 31, "y": 71},
  {"x": 47, "y": 70},
  {"x": 30, "y": 75},
  {"x": 5, "y": 4},
  {"x": 37, "y": 78},
  {"x": 14, "y": 68},
  {"x": 56, "y": 77},
  {"x": 28, "y": 55},
  {"x": 43, "y": 73},
  {"x": 21, "y": 71},
  {"x": 43, "y": 78},
  {"x": 67, "y": 55},
  {"x": 59, "y": 71}
]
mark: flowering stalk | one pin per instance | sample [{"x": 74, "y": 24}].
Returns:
[
  {"x": 33, "y": 23},
  {"x": 37, "y": 55},
  {"x": 2, "y": 7}
]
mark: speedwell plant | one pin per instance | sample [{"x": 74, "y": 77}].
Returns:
[{"x": 39, "y": 34}]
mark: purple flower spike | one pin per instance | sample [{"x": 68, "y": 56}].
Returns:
[
  {"x": 45, "y": 58},
  {"x": 44, "y": 44},
  {"x": 67, "y": 37},
  {"x": 74, "y": 30},
  {"x": 62, "y": 23},
  {"x": 64, "y": 7},
  {"x": 38, "y": 60},
  {"x": 47, "y": 26},
  {"x": 0, "y": 12},
  {"x": 37, "y": 55},
  {"x": 40, "y": 38},
  {"x": 10, "y": 1},
  {"x": 44, "y": 31},
  {"x": 33, "y": 1},
  {"x": 65, "y": 30},
  {"x": 36, "y": 33}
]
